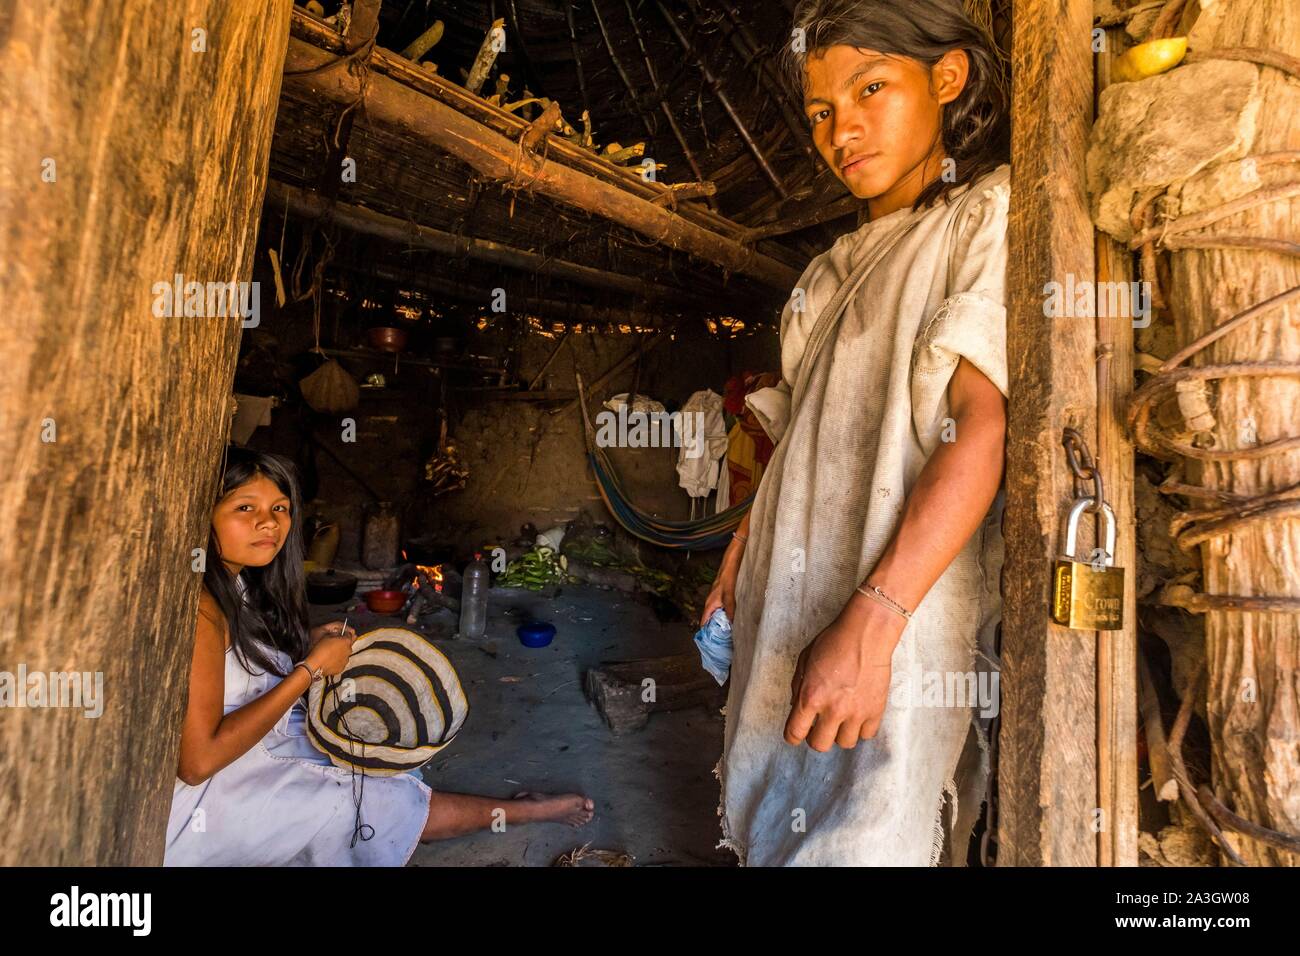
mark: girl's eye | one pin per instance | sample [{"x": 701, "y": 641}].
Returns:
[
  {"x": 818, "y": 117},
  {"x": 871, "y": 88}
]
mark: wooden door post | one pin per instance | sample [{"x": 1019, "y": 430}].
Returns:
[
  {"x": 1047, "y": 775},
  {"x": 134, "y": 141}
]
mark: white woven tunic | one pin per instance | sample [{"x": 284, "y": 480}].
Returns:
[
  {"x": 284, "y": 804},
  {"x": 872, "y": 411}
]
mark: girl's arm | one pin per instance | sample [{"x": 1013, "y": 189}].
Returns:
[
  {"x": 209, "y": 739},
  {"x": 723, "y": 593},
  {"x": 841, "y": 682}
]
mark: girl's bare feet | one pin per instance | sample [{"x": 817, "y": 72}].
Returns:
[{"x": 571, "y": 808}]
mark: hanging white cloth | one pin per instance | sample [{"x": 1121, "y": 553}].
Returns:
[{"x": 704, "y": 441}]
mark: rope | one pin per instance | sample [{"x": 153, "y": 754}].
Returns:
[{"x": 1191, "y": 528}]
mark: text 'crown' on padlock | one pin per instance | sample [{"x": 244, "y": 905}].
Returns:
[{"x": 1085, "y": 597}]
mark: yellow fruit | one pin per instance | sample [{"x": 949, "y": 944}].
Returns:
[{"x": 1148, "y": 59}]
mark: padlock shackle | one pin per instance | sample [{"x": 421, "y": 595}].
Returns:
[{"x": 1107, "y": 515}]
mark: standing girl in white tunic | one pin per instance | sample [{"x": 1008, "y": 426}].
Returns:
[
  {"x": 252, "y": 789},
  {"x": 867, "y": 569}
]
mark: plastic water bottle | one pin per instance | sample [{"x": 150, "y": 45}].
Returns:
[{"x": 473, "y": 598}]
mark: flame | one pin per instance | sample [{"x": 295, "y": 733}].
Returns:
[{"x": 434, "y": 574}]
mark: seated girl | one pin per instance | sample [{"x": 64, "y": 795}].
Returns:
[{"x": 252, "y": 789}]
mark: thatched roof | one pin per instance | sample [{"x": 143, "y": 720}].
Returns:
[{"x": 715, "y": 104}]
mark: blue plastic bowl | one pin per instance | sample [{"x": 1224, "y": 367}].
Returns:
[{"x": 536, "y": 634}]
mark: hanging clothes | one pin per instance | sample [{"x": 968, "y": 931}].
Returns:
[
  {"x": 855, "y": 428},
  {"x": 704, "y": 441},
  {"x": 749, "y": 445}
]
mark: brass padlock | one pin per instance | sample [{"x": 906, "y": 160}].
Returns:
[{"x": 1084, "y": 596}]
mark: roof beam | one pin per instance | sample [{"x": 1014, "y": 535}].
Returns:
[{"x": 496, "y": 157}]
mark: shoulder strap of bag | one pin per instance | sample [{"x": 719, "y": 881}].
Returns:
[{"x": 830, "y": 317}]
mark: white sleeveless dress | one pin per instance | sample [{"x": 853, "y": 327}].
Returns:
[{"x": 284, "y": 804}]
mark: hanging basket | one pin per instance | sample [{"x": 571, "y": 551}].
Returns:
[{"x": 330, "y": 389}]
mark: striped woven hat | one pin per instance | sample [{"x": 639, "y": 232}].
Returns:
[{"x": 396, "y": 704}]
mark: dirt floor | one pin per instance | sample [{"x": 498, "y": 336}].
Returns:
[{"x": 531, "y": 728}]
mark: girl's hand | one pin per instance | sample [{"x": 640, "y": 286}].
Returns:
[
  {"x": 841, "y": 680},
  {"x": 722, "y": 595},
  {"x": 330, "y": 654},
  {"x": 332, "y": 629}
]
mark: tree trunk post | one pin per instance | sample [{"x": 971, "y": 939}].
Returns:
[{"x": 133, "y": 149}]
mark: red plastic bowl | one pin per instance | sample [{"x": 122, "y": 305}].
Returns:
[{"x": 384, "y": 602}]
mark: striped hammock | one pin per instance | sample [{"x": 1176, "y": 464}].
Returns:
[{"x": 701, "y": 534}]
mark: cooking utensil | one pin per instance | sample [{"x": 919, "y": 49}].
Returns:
[
  {"x": 384, "y": 602},
  {"x": 387, "y": 339},
  {"x": 330, "y": 587}
]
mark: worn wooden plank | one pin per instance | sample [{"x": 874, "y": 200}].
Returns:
[
  {"x": 1117, "y": 684},
  {"x": 159, "y": 136},
  {"x": 1047, "y": 755}
]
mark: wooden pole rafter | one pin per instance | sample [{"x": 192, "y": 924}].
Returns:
[
  {"x": 715, "y": 84},
  {"x": 431, "y": 121}
]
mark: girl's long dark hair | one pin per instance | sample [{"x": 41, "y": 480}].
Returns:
[
  {"x": 975, "y": 129},
  {"x": 273, "y": 612}
]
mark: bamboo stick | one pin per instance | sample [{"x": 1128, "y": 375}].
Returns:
[
  {"x": 310, "y": 205},
  {"x": 616, "y": 368},
  {"x": 549, "y": 359},
  {"x": 725, "y": 101},
  {"x": 637, "y": 103},
  {"x": 487, "y": 55},
  {"x": 577, "y": 60},
  {"x": 746, "y": 44},
  {"x": 425, "y": 42},
  {"x": 663, "y": 100}
]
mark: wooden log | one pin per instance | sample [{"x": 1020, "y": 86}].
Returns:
[
  {"x": 155, "y": 140},
  {"x": 640, "y": 312},
  {"x": 1117, "y": 651},
  {"x": 309, "y": 30},
  {"x": 496, "y": 157},
  {"x": 310, "y": 205},
  {"x": 425, "y": 42},
  {"x": 1047, "y": 773},
  {"x": 487, "y": 55},
  {"x": 364, "y": 25},
  {"x": 1253, "y": 710},
  {"x": 627, "y": 693}
]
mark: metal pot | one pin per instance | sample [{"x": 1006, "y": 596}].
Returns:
[
  {"x": 330, "y": 587},
  {"x": 387, "y": 338}
]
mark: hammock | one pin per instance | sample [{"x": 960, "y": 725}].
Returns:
[{"x": 702, "y": 534}]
